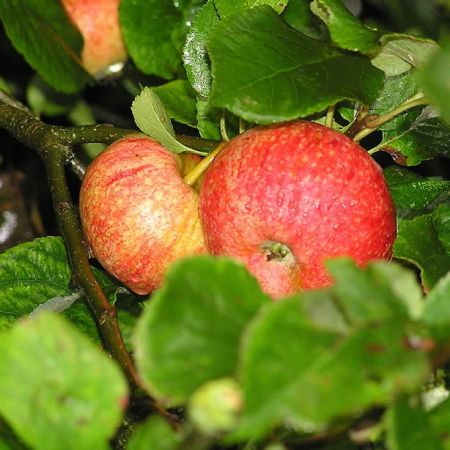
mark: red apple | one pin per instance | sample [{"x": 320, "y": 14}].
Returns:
[
  {"x": 284, "y": 198},
  {"x": 137, "y": 213},
  {"x": 98, "y": 22}
]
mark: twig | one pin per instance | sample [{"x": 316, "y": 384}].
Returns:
[
  {"x": 372, "y": 124},
  {"x": 330, "y": 116},
  {"x": 55, "y": 152}
]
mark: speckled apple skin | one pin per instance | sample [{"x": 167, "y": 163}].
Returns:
[
  {"x": 303, "y": 185},
  {"x": 138, "y": 215},
  {"x": 98, "y": 23}
]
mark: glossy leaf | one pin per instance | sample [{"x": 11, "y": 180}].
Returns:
[
  {"x": 42, "y": 33},
  {"x": 148, "y": 31},
  {"x": 277, "y": 5},
  {"x": 411, "y": 191},
  {"x": 298, "y": 15},
  {"x": 396, "y": 90},
  {"x": 53, "y": 378},
  {"x": 179, "y": 101},
  {"x": 279, "y": 73},
  {"x": 191, "y": 330},
  {"x": 418, "y": 138},
  {"x": 345, "y": 29},
  {"x": 418, "y": 242},
  {"x": 35, "y": 272},
  {"x": 32, "y": 273},
  {"x": 195, "y": 57}
]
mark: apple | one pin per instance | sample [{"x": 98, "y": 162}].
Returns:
[
  {"x": 98, "y": 23},
  {"x": 137, "y": 213},
  {"x": 284, "y": 198}
]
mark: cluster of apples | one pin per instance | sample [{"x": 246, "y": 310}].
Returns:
[{"x": 281, "y": 199}]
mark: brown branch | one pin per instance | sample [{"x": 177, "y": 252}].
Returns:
[{"x": 55, "y": 152}]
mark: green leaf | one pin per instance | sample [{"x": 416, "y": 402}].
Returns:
[
  {"x": 151, "y": 118},
  {"x": 208, "y": 120},
  {"x": 441, "y": 222},
  {"x": 277, "y": 5},
  {"x": 190, "y": 331},
  {"x": 32, "y": 273},
  {"x": 418, "y": 242},
  {"x": 401, "y": 53},
  {"x": 296, "y": 373},
  {"x": 154, "y": 33},
  {"x": 299, "y": 16},
  {"x": 396, "y": 90},
  {"x": 226, "y": 8},
  {"x": 436, "y": 310},
  {"x": 42, "y": 33},
  {"x": 179, "y": 101},
  {"x": 418, "y": 138},
  {"x": 35, "y": 272},
  {"x": 42, "y": 99},
  {"x": 195, "y": 57},
  {"x": 411, "y": 191},
  {"x": 345, "y": 29},
  {"x": 433, "y": 78},
  {"x": 370, "y": 295},
  {"x": 58, "y": 390},
  {"x": 155, "y": 432},
  {"x": 279, "y": 73},
  {"x": 439, "y": 420},
  {"x": 407, "y": 427}
]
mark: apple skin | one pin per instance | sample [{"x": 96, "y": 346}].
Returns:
[
  {"x": 98, "y": 23},
  {"x": 137, "y": 213},
  {"x": 302, "y": 185}
]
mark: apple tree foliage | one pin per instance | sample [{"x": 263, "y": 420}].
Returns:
[{"x": 363, "y": 364}]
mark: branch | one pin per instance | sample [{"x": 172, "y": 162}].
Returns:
[{"x": 52, "y": 144}]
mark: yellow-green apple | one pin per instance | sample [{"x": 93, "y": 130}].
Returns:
[
  {"x": 98, "y": 23},
  {"x": 137, "y": 213},
  {"x": 284, "y": 198}
]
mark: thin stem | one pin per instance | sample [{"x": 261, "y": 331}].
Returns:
[
  {"x": 242, "y": 125},
  {"x": 329, "y": 119},
  {"x": 223, "y": 128},
  {"x": 200, "y": 168},
  {"x": 82, "y": 273},
  {"x": 373, "y": 124}
]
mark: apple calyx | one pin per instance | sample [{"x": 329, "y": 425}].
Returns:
[{"x": 276, "y": 251}]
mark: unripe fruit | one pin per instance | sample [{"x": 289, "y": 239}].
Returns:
[
  {"x": 137, "y": 213},
  {"x": 98, "y": 23},
  {"x": 215, "y": 406},
  {"x": 284, "y": 198}
]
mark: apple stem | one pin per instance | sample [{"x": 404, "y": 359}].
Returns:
[
  {"x": 329, "y": 120},
  {"x": 223, "y": 128},
  {"x": 200, "y": 168},
  {"x": 242, "y": 125},
  {"x": 372, "y": 124}
]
